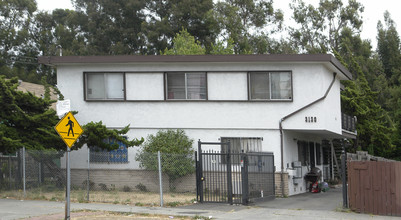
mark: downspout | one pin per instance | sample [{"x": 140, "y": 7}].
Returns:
[{"x": 291, "y": 114}]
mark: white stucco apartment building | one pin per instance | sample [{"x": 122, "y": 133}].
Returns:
[{"x": 285, "y": 104}]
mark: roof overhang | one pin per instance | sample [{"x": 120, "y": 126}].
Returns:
[
  {"x": 326, "y": 59},
  {"x": 326, "y": 134}
]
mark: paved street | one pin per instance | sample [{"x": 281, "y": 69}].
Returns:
[{"x": 306, "y": 206}]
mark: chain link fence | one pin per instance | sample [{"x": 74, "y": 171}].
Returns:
[{"x": 147, "y": 179}]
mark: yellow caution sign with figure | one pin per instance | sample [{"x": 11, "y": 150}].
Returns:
[{"x": 69, "y": 129}]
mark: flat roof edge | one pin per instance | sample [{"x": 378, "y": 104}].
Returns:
[{"x": 122, "y": 59}]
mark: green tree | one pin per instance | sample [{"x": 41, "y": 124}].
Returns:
[
  {"x": 95, "y": 134},
  {"x": 168, "y": 17},
  {"x": 319, "y": 28},
  {"x": 247, "y": 23},
  {"x": 17, "y": 51},
  {"x": 111, "y": 27},
  {"x": 176, "y": 154},
  {"x": 185, "y": 44},
  {"x": 26, "y": 120},
  {"x": 373, "y": 126},
  {"x": 389, "y": 49},
  {"x": 389, "y": 52},
  {"x": 15, "y": 18},
  {"x": 220, "y": 48}
]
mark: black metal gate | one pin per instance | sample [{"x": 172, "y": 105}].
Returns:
[{"x": 234, "y": 178}]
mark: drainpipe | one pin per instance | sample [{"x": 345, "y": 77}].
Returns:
[{"x": 289, "y": 115}]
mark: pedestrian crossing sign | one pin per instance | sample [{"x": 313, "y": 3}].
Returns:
[{"x": 69, "y": 129}]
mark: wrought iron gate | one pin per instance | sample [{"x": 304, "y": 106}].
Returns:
[{"x": 234, "y": 178}]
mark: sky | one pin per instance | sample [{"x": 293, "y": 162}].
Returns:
[{"x": 374, "y": 10}]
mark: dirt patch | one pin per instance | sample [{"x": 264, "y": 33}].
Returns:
[
  {"x": 113, "y": 196},
  {"x": 73, "y": 215},
  {"x": 91, "y": 215}
]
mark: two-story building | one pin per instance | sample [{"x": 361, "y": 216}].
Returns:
[{"x": 286, "y": 104}]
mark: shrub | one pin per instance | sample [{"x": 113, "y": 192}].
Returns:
[
  {"x": 176, "y": 153},
  {"x": 103, "y": 187},
  {"x": 85, "y": 185},
  {"x": 141, "y": 187},
  {"x": 127, "y": 189}
]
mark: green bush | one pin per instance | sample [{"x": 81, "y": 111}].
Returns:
[{"x": 176, "y": 153}]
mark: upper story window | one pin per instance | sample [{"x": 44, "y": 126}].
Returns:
[
  {"x": 186, "y": 86},
  {"x": 104, "y": 86},
  {"x": 270, "y": 86}
]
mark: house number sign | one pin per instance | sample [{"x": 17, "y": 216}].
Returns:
[{"x": 310, "y": 119}]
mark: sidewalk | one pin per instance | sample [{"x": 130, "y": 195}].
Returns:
[{"x": 305, "y": 206}]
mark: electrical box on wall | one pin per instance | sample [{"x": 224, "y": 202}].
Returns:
[
  {"x": 297, "y": 181},
  {"x": 295, "y": 164},
  {"x": 297, "y": 167}
]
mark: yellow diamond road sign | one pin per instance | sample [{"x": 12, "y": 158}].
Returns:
[{"x": 69, "y": 129}]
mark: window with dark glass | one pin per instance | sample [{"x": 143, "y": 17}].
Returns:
[
  {"x": 318, "y": 154},
  {"x": 104, "y": 86},
  {"x": 240, "y": 145},
  {"x": 186, "y": 86},
  {"x": 120, "y": 155},
  {"x": 303, "y": 153},
  {"x": 270, "y": 86}
]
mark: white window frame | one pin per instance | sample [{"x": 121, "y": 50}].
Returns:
[
  {"x": 185, "y": 85},
  {"x": 105, "y": 98},
  {"x": 269, "y": 86}
]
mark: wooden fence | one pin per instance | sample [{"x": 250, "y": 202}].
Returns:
[{"x": 375, "y": 187}]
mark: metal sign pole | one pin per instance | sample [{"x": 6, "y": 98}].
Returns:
[
  {"x": 88, "y": 181},
  {"x": 23, "y": 170},
  {"x": 67, "y": 193},
  {"x": 64, "y": 131}
]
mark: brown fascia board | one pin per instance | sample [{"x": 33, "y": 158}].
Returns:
[{"x": 60, "y": 60}]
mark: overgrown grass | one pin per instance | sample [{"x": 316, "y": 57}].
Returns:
[
  {"x": 112, "y": 196},
  {"x": 129, "y": 215}
]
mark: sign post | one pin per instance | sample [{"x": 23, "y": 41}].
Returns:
[
  {"x": 69, "y": 130},
  {"x": 67, "y": 191}
]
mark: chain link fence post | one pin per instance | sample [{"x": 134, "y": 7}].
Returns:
[{"x": 160, "y": 178}]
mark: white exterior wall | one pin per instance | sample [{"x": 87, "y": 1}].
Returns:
[
  {"x": 310, "y": 82},
  {"x": 209, "y": 120}
]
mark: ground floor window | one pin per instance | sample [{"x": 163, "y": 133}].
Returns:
[
  {"x": 318, "y": 154},
  {"x": 309, "y": 153},
  {"x": 303, "y": 153},
  {"x": 241, "y": 145},
  {"x": 119, "y": 155}
]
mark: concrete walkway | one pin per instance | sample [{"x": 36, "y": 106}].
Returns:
[{"x": 306, "y": 206}]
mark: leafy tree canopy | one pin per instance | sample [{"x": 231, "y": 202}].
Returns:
[
  {"x": 320, "y": 27},
  {"x": 185, "y": 44},
  {"x": 25, "y": 120},
  {"x": 95, "y": 134},
  {"x": 28, "y": 121},
  {"x": 246, "y": 23},
  {"x": 373, "y": 126}
]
